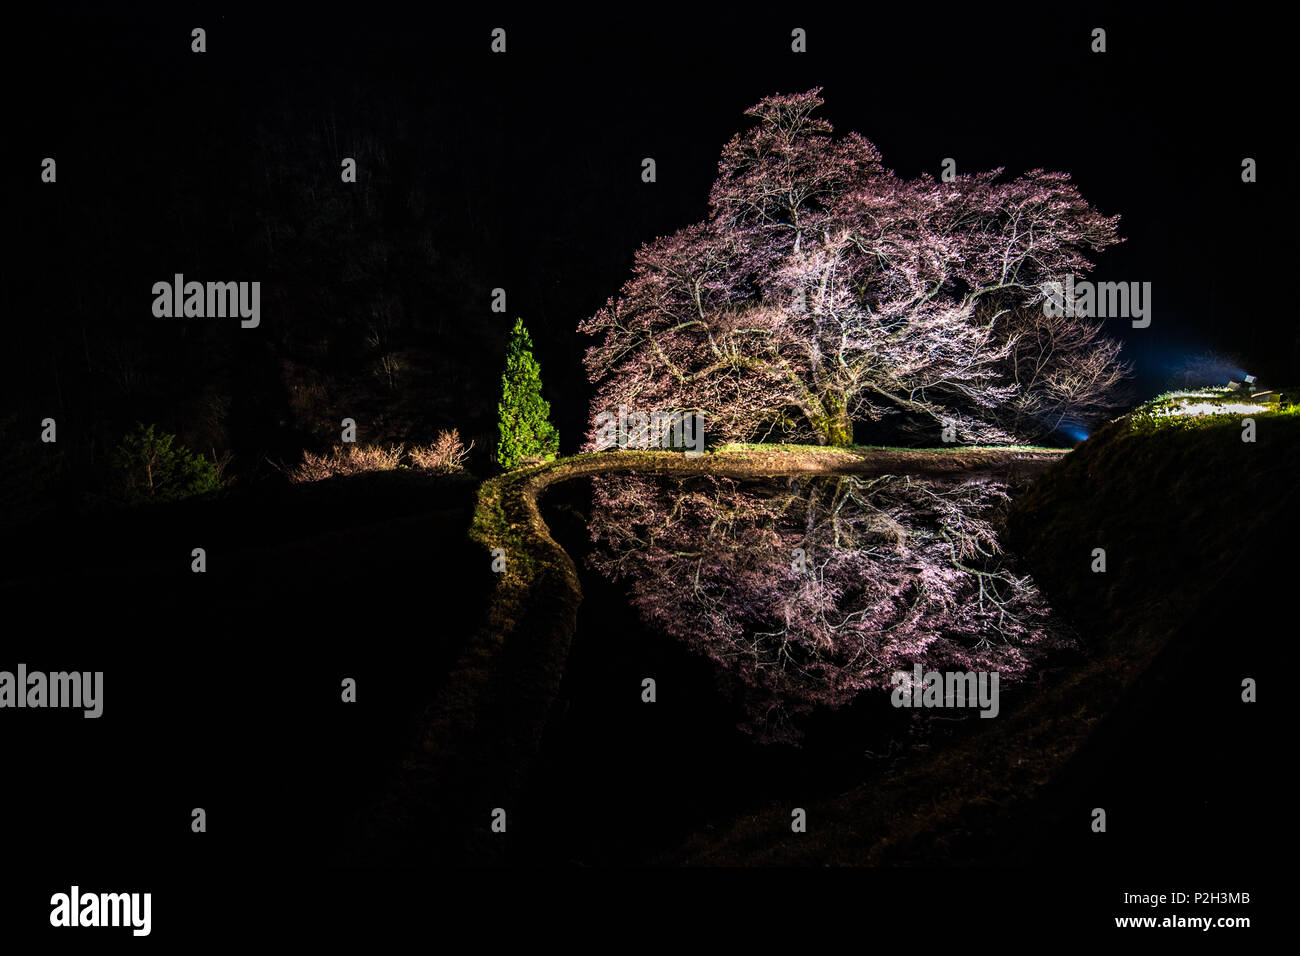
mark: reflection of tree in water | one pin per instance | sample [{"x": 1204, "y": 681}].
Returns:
[{"x": 895, "y": 571}]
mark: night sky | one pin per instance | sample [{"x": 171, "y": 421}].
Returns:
[{"x": 526, "y": 173}]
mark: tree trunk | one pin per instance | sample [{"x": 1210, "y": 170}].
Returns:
[{"x": 833, "y": 426}]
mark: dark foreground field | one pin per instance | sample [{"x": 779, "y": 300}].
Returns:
[{"x": 223, "y": 689}]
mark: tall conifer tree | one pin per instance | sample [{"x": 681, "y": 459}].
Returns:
[{"x": 523, "y": 415}]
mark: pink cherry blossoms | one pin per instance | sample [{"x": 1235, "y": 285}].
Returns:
[{"x": 824, "y": 290}]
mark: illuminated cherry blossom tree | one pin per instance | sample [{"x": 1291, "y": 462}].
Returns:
[
  {"x": 823, "y": 289},
  {"x": 1066, "y": 372}
]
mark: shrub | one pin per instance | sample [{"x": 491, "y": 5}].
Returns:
[
  {"x": 148, "y": 466},
  {"x": 347, "y": 459},
  {"x": 447, "y": 454}
]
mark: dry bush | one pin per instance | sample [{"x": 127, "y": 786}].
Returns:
[
  {"x": 375, "y": 457},
  {"x": 315, "y": 467},
  {"x": 347, "y": 460},
  {"x": 447, "y": 454}
]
